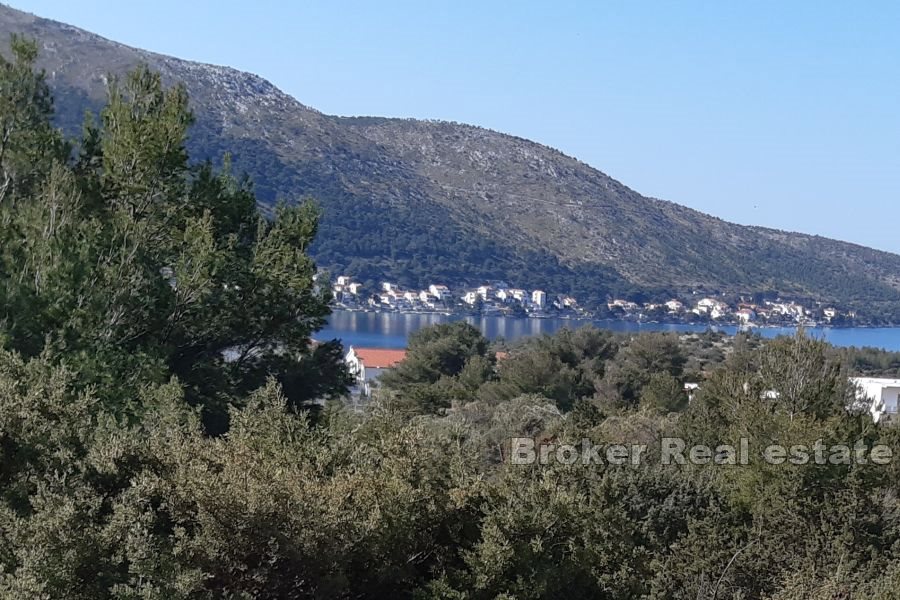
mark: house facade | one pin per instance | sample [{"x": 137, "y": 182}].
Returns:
[
  {"x": 441, "y": 292},
  {"x": 745, "y": 315},
  {"x": 883, "y": 395},
  {"x": 366, "y": 365},
  {"x": 674, "y": 306}
]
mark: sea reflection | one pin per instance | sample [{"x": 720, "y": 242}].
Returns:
[{"x": 391, "y": 330}]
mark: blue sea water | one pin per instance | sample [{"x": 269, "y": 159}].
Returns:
[{"x": 391, "y": 330}]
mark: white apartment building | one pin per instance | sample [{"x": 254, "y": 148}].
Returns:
[{"x": 883, "y": 395}]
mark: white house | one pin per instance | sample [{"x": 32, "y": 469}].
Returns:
[
  {"x": 368, "y": 364},
  {"x": 690, "y": 389},
  {"x": 787, "y": 308},
  {"x": 539, "y": 298},
  {"x": 441, "y": 292},
  {"x": 719, "y": 311},
  {"x": 883, "y": 395},
  {"x": 707, "y": 304},
  {"x": 484, "y": 291},
  {"x": 471, "y": 298},
  {"x": 674, "y": 306},
  {"x": 354, "y": 288},
  {"x": 623, "y": 304},
  {"x": 710, "y": 305},
  {"x": 344, "y": 280},
  {"x": 745, "y": 315}
]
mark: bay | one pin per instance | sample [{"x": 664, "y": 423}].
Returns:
[{"x": 392, "y": 330}]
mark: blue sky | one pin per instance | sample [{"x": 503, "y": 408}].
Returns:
[{"x": 785, "y": 114}]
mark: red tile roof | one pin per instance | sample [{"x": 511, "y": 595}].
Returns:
[{"x": 379, "y": 358}]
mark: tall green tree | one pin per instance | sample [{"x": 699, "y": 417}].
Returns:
[
  {"x": 28, "y": 141},
  {"x": 132, "y": 265},
  {"x": 564, "y": 367},
  {"x": 444, "y": 363},
  {"x": 635, "y": 364}
]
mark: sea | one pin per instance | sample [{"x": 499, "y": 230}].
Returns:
[{"x": 392, "y": 330}]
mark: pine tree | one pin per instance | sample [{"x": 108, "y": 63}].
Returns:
[{"x": 133, "y": 265}]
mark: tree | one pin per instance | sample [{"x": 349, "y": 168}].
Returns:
[
  {"x": 635, "y": 364},
  {"x": 805, "y": 379},
  {"x": 663, "y": 393},
  {"x": 28, "y": 142},
  {"x": 133, "y": 265},
  {"x": 91, "y": 507},
  {"x": 444, "y": 362},
  {"x": 564, "y": 367}
]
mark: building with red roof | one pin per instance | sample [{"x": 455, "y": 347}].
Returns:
[{"x": 368, "y": 364}]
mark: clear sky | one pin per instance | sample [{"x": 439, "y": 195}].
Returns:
[{"x": 785, "y": 114}]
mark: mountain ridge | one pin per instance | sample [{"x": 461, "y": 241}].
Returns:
[{"x": 428, "y": 200}]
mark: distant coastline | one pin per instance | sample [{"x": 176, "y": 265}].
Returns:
[{"x": 498, "y": 298}]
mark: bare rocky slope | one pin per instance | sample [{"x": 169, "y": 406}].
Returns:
[{"x": 421, "y": 201}]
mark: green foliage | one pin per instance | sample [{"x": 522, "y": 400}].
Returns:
[
  {"x": 444, "y": 363},
  {"x": 564, "y": 367},
  {"x": 273, "y": 509},
  {"x": 375, "y": 506},
  {"x": 132, "y": 265},
  {"x": 635, "y": 364},
  {"x": 663, "y": 393},
  {"x": 28, "y": 142},
  {"x": 451, "y": 364},
  {"x": 870, "y": 362}
]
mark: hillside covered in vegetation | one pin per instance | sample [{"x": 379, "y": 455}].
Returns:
[{"x": 422, "y": 202}]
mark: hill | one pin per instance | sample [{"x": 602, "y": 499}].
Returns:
[{"x": 426, "y": 201}]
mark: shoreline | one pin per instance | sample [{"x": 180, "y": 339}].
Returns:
[{"x": 708, "y": 324}]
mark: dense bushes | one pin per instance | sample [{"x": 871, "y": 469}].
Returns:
[{"x": 387, "y": 504}]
